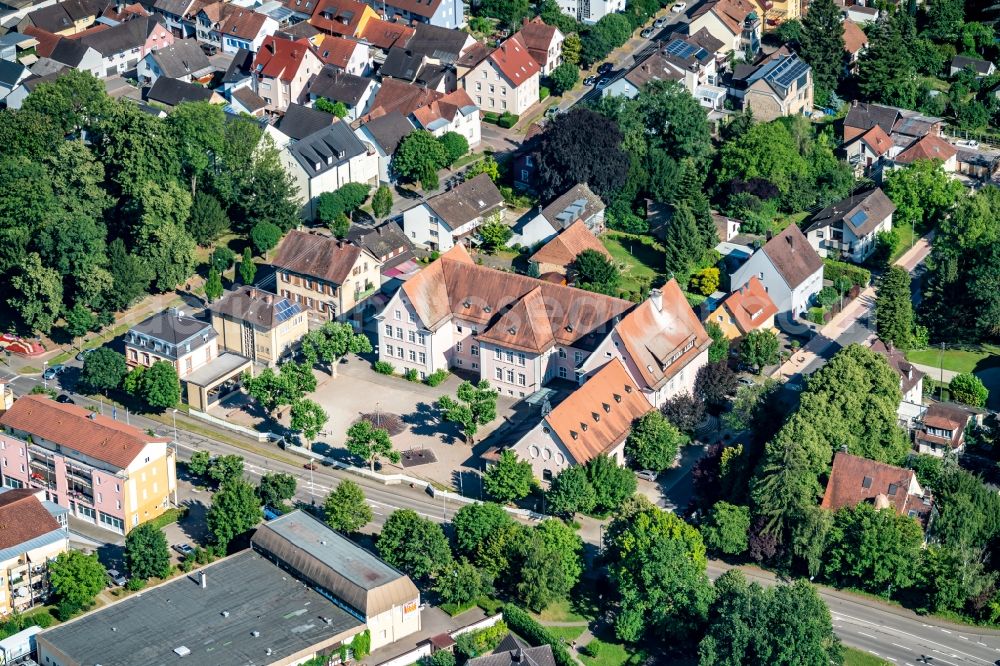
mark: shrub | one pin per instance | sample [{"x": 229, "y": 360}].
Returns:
[
  {"x": 135, "y": 584},
  {"x": 411, "y": 375},
  {"x": 833, "y": 269},
  {"x": 827, "y": 296},
  {"x": 491, "y": 117},
  {"x": 361, "y": 644},
  {"x": 384, "y": 368},
  {"x": 543, "y": 92},
  {"x": 816, "y": 316},
  {"x": 481, "y": 641},
  {"x": 592, "y": 649},
  {"x": 168, "y": 516},
  {"x": 490, "y": 606},
  {"x": 436, "y": 377},
  {"x": 525, "y": 626},
  {"x": 507, "y": 120}
]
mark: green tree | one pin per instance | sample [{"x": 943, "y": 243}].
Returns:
[
  {"x": 923, "y": 193},
  {"x": 894, "y": 308},
  {"x": 571, "y": 492},
  {"x": 460, "y": 583},
  {"x": 654, "y": 442},
  {"x": 759, "y": 349},
  {"x": 79, "y": 319},
  {"x": 581, "y": 146},
  {"x": 949, "y": 578},
  {"x": 370, "y": 443},
  {"x": 264, "y": 191},
  {"x": 338, "y": 109},
  {"x": 475, "y": 523},
  {"x": 346, "y": 509},
  {"x": 213, "y": 286},
  {"x": 810, "y": 538},
  {"x": 945, "y": 19},
  {"x": 131, "y": 275},
  {"x": 552, "y": 564},
  {"x": 455, "y": 146},
  {"x": 494, "y": 234},
  {"x": 200, "y": 463},
  {"x": 36, "y": 294},
  {"x": 208, "y": 220},
  {"x": 595, "y": 271},
  {"x": 886, "y": 72},
  {"x": 146, "y": 552},
  {"x": 308, "y": 417},
  {"x": 276, "y": 488},
  {"x": 273, "y": 390},
  {"x": 727, "y": 528},
  {"x": 76, "y": 580},
  {"x": 223, "y": 469},
  {"x": 161, "y": 388},
  {"x": 873, "y": 549},
  {"x": 748, "y": 407},
  {"x": 564, "y": 77},
  {"x": 822, "y": 46},
  {"x": 487, "y": 165},
  {"x": 613, "y": 484},
  {"x": 418, "y": 155},
  {"x": 571, "y": 48},
  {"x": 332, "y": 342},
  {"x": 681, "y": 243},
  {"x": 265, "y": 237},
  {"x": 382, "y": 201},
  {"x": 235, "y": 510},
  {"x": 715, "y": 382},
  {"x": 77, "y": 102},
  {"x": 103, "y": 370},
  {"x": 474, "y": 405},
  {"x": 248, "y": 269},
  {"x": 719, "y": 351},
  {"x": 343, "y": 201},
  {"x": 705, "y": 281},
  {"x": 968, "y": 389},
  {"x": 222, "y": 259},
  {"x": 509, "y": 479},
  {"x": 413, "y": 544},
  {"x": 196, "y": 129}
]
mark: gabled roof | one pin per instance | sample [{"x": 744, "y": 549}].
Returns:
[
  {"x": 750, "y": 306},
  {"x": 47, "y": 41},
  {"x": 173, "y": 7},
  {"x": 947, "y": 416},
  {"x": 306, "y": 7},
  {"x": 396, "y": 95},
  {"x": 241, "y": 67},
  {"x": 11, "y": 73},
  {"x": 908, "y": 373},
  {"x": 731, "y": 13},
  {"x": 70, "y": 52},
  {"x": 282, "y": 58},
  {"x": 472, "y": 199},
  {"x": 248, "y": 99},
  {"x": 125, "y": 13},
  {"x": 172, "y": 92},
  {"x": 855, "y": 38},
  {"x": 317, "y": 255},
  {"x": 854, "y": 480},
  {"x": 978, "y": 65},
  {"x": 122, "y": 37},
  {"x": 705, "y": 40},
  {"x": 338, "y": 51},
  {"x": 514, "y": 61},
  {"x": 385, "y": 34},
  {"x": 525, "y": 326},
  {"x": 781, "y": 72},
  {"x": 78, "y": 429},
  {"x": 792, "y": 256},
  {"x": 300, "y": 30},
  {"x": 662, "y": 339},
  {"x": 864, "y": 116},
  {"x": 512, "y": 651},
  {"x": 656, "y": 67},
  {"x": 424, "y": 8},
  {"x": 23, "y": 518},
  {"x": 338, "y": 86},
  {"x": 861, "y": 212},
  {"x": 301, "y": 121},
  {"x": 339, "y": 17},
  {"x": 63, "y": 15},
  {"x": 325, "y": 149},
  {"x": 598, "y": 415},
  {"x": 537, "y": 36},
  {"x": 389, "y": 130},
  {"x": 567, "y": 246},
  {"x": 382, "y": 241},
  {"x": 877, "y": 140},
  {"x": 443, "y": 111},
  {"x": 245, "y": 24},
  {"x": 443, "y": 44},
  {"x": 928, "y": 147},
  {"x": 256, "y": 306},
  {"x": 577, "y": 203},
  {"x": 182, "y": 58}
]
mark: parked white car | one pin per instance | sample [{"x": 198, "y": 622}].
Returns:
[{"x": 679, "y": 7}]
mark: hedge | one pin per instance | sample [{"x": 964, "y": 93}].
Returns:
[
  {"x": 384, "y": 368},
  {"x": 525, "y": 626},
  {"x": 436, "y": 377},
  {"x": 543, "y": 92},
  {"x": 508, "y": 120},
  {"x": 859, "y": 277},
  {"x": 168, "y": 516}
]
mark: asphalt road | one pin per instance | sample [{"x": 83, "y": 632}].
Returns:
[{"x": 890, "y": 632}]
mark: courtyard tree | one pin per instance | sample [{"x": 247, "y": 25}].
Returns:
[
  {"x": 223, "y": 469},
  {"x": 571, "y": 492},
  {"x": 370, "y": 444},
  {"x": 455, "y": 146},
  {"x": 235, "y": 509},
  {"x": 494, "y": 234},
  {"x": 382, "y": 201},
  {"x": 509, "y": 479},
  {"x": 968, "y": 389},
  {"x": 332, "y": 342},
  {"x": 146, "y": 553},
  {"x": 248, "y": 269},
  {"x": 715, "y": 382},
  {"x": 474, "y": 405},
  {"x": 276, "y": 488},
  {"x": 654, "y": 442},
  {"x": 418, "y": 157},
  {"x": 276, "y": 389},
  {"x": 76, "y": 580},
  {"x": 308, "y": 417},
  {"x": 460, "y": 583},
  {"x": 759, "y": 349},
  {"x": 475, "y": 523},
  {"x": 595, "y": 271},
  {"x": 552, "y": 564},
  {"x": 160, "y": 386},
  {"x": 413, "y": 544},
  {"x": 265, "y": 237},
  {"x": 345, "y": 508},
  {"x": 581, "y": 146},
  {"x": 213, "y": 286},
  {"x": 103, "y": 370},
  {"x": 208, "y": 220},
  {"x": 613, "y": 484}
]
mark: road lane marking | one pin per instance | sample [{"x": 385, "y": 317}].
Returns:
[
  {"x": 919, "y": 638},
  {"x": 944, "y": 630},
  {"x": 963, "y": 637},
  {"x": 868, "y": 635}
]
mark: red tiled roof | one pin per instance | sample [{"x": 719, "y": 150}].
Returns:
[
  {"x": 567, "y": 246},
  {"x": 46, "y": 40},
  {"x": 396, "y": 95},
  {"x": 537, "y": 36},
  {"x": 386, "y": 34},
  {"x": 514, "y": 61},
  {"x": 854, "y": 37},
  {"x": 22, "y": 518},
  {"x": 244, "y": 24},
  {"x": 854, "y": 480},
  {"x": 338, "y": 17},
  {"x": 877, "y": 140},
  {"x": 750, "y": 305},
  {"x": 336, "y": 51},
  {"x": 77, "y": 429},
  {"x": 928, "y": 147},
  {"x": 281, "y": 58},
  {"x": 447, "y": 107},
  {"x": 730, "y": 12},
  {"x": 425, "y": 8}
]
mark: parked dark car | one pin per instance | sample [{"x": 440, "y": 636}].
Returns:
[
  {"x": 605, "y": 68},
  {"x": 65, "y": 399}
]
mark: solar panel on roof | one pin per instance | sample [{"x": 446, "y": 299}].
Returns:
[
  {"x": 283, "y": 310},
  {"x": 682, "y": 49},
  {"x": 858, "y": 218}
]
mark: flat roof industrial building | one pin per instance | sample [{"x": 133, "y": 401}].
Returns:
[{"x": 248, "y": 611}]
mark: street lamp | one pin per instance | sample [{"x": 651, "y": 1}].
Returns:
[
  {"x": 45, "y": 380},
  {"x": 174, "y": 415}
]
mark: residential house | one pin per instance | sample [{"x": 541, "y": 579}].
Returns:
[
  {"x": 779, "y": 11},
  {"x": 239, "y": 73},
  {"x": 506, "y": 81},
  {"x": 343, "y": 18},
  {"x": 16, "y": 97},
  {"x": 861, "y": 117},
  {"x": 396, "y": 95},
  {"x": 18, "y": 47},
  {"x": 119, "y": 12},
  {"x": 591, "y": 11},
  {"x": 981, "y": 68},
  {"x": 577, "y": 203},
  {"x": 336, "y": 85},
  {"x": 383, "y": 134},
  {"x": 779, "y": 85},
  {"x": 559, "y": 254},
  {"x": 11, "y": 75},
  {"x": 440, "y": 44},
  {"x": 448, "y": 14},
  {"x": 346, "y": 55},
  {"x": 661, "y": 342},
  {"x": 789, "y": 269},
  {"x": 257, "y": 324},
  {"x": 104, "y": 471},
  {"x": 419, "y": 68},
  {"x": 385, "y": 599},
  {"x": 929, "y": 147},
  {"x": 175, "y": 16},
  {"x": 245, "y": 100},
  {"x": 978, "y": 163},
  {"x": 911, "y": 384},
  {"x": 209, "y": 20},
  {"x": 283, "y": 70},
  {"x": 941, "y": 429},
  {"x": 849, "y": 228},
  {"x": 447, "y": 218},
  {"x": 383, "y": 35},
  {"x": 594, "y": 420},
  {"x": 726, "y": 228},
  {"x": 34, "y": 533},
  {"x": 386, "y": 242},
  {"x": 171, "y": 92},
  {"x": 454, "y": 112},
  {"x": 868, "y": 152},
  {"x": 295, "y": 31},
  {"x": 748, "y": 308},
  {"x": 76, "y": 55},
  {"x": 735, "y": 23},
  {"x": 122, "y": 46},
  {"x": 543, "y": 42},
  {"x": 184, "y": 342},
  {"x": 861, "y": 14},
  {"x": 854, "y": 480},
  {"x": 299, "y": 122},
  {"x": 69, "y": 17},
  {"x": 514, "y": 331},
  {"x": 301, "y": 10},
  {"x": 246, "y": 29},
  {"x": 183, "y": 60},
  {"x": 326, "y": 160},
  {"x": 855, "y": 43},
  {"x": 512, "y": 651},
  {"x": 324, "y": 275}
]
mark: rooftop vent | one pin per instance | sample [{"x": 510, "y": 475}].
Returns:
[
  {"x": 584, "y": 426},
  {"x": 225, "y": 613},
  {"x": 487, "y": 309},
  {"x": 628, "y": 389},
  {"x": 182, "y": 651},
  {"x": 255, "y": 633},
  {"x": 607, "y": 407}
]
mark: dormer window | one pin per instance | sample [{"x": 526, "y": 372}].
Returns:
[
  {"x": 628, "y": 389},
  {"x": 584, "y": 426},
  {"x": 866, "y": 482},
  {"x": 892, "y": 489},
  {"x": 574, "y": 434},
  {"x": 487, "y": 309},
  {"x": 597, "y": 417},
  {"x": 607, "y": 407},
  {"x": 618, "y": 397}
]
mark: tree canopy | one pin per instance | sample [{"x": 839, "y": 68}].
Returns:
[{"x": 413, "y": 544}]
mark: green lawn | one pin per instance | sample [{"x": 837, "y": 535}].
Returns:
[
  {"x": 854, "y": 657},
  {"x": 561, "y": 611},
  {"x": 609, "y": 654},
  {"x": 566, "y": 634},
  {"x": 643, "y": 263},
  {"x": 958, "y": 360},
  {"x": 779, "y": 224}
]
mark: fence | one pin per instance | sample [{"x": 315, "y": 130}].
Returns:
[{"x": 249, "y": 432}]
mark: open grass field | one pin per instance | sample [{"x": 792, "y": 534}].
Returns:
[
  {"x": 643, "y": 263},
  {"x": 968, "y": 359}
]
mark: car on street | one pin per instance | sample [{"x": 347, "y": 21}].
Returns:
[
  {"x": 646, "y": 475},
  {"x": 117, "y": 578},
  {"x": 84, "y": 354},
  {"x": 310, "y": 466},
  {"x": 65, "y": 399},
  {"x": 647, "y": 33},
  {"x": 660, "y": 22},
  {"x": 745, "y": 381},
  {"x": 53, "y": 371},
  {"x": 210, "y": 49},
  {"x": 590, "y": 80},
  {"x": 184, "y": 549},
  {"x": 605, "y": 67},
  {"x": 552, "y": 111},
  {"x": 605, "y": 80},
  {"x": 679, "y": 7}
]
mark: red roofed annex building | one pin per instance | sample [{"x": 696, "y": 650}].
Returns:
[
  {"x": 104, "y": 471},
  {"x": 854, "y": 480}
]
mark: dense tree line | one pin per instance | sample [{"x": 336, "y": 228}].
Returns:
[{"x": 103, "y": 203}]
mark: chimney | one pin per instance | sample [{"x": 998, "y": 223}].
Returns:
[
  {"x": 204, "y": 580},
  {"x": 267, "y": 299},
  {"x": 656, "y": 296},
  {"x": 92, "y": 416},
  {"x": 516, "y": 656},
  {"x": 253, "y": 293}
]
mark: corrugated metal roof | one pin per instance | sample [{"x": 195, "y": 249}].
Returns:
[{"x": 42, "y": 541}]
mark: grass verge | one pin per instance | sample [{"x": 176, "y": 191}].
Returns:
[
  {"x": 566, "y": 634},
  {"x": 853, "y": 657},
  {"x": 967, "y": 359},
  {"x": 561, "y": 611}
]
